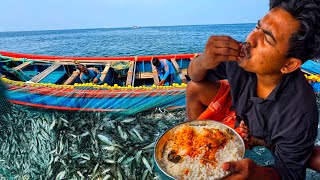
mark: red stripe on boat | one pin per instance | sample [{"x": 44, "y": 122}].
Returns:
[{"x": 71, "y": 58}]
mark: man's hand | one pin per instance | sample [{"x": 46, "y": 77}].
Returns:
[
  {"x": 246, "y": 135},
  {"x": 219, "y": 49},
  {"x": 161, "y": 83},
  {"x": 244, "y": 131},
  {"x": 243, "y": 169},
  {"x": 249, "y": 140},
  {"x": 314, "y": 160},
  {"x": 95, "y": 80},
  {"x": 247, "y": 169}
]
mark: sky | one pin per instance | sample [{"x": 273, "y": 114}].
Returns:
[{"x": 28, "y": 15}]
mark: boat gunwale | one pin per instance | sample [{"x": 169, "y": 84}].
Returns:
[{"x": 99, "y": 59}]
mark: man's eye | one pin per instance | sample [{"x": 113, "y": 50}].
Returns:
[{"x": 265, "y": 38}]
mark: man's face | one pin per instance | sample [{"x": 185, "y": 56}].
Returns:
[
  {"x": 269, "y": 43},
  {"x": 83, "y": 69}
]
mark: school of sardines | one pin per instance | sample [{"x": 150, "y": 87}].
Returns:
[
  {"x": 80, "y": 145},
  {"x": 85, "y": 145}
]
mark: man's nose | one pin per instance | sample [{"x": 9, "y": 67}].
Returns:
[{"x": 253, "y": 38}]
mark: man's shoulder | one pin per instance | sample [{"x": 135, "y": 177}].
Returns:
[
  {"x": 92, "y": 69},
  {"x": 300, "y": 87},
  {"x": 165, "y": 61},
  {"x": 298, "y": 92},
  {"x": 297, "y": 104}
]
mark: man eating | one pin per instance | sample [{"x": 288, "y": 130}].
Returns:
[{"x": 265, "y": 88}]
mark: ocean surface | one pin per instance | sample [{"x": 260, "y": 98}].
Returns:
[
  {"x": 119, "y": 41},
  {"x": 38, "y": 144}
]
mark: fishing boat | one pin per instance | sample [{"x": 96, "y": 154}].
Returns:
[
  {"x": 129, "y": 84},
  {"x": 311, "y": 69}
]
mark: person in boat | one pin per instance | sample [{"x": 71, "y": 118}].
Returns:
[
  {"x": 88, "y": 75},
  {"x": 165, "y": 71},
  {"x": 259, "y": 84}
]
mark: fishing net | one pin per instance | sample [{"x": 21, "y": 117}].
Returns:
[
  {"x": 121, "y": 67},
  {"x": 101, "y": 98}
]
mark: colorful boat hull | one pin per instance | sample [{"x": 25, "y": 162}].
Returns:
[{"x": 108, "y": 97}]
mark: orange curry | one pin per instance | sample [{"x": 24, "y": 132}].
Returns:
[{"x": 189, "y": 142}]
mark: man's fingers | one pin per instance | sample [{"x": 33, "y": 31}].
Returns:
[
  {"x": 244, "y": 127},
  {"x": 226, "y": 58},
  {"x": 224, "y": 44},
  {"x": 239, "y": 169},
  {"x": 223, "y": 38},
  {"x": 246, "y": 138},
  {"x": 245, "y": 134},
  {"x": 217, "y": 44},
  {"x": 225, "y": 51},
  {"x": 231, "y": 166},
  {"x": 242, "y": 123},
  {"x": 244, "y": 131},
  {"x": 226, "y": 166}
]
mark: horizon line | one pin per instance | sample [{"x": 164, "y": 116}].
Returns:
[{"x": 140, "y": 26}]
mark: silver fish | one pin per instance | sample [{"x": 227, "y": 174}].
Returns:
[
  {"x": 146, "y": 163},
  {"x": 105, "y": 139}
]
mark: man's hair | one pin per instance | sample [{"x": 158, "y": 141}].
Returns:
[
  {"x": 155, "y": 61},
  {"x": 305, "y": 43},
  {"x": 80, "y": 65}
]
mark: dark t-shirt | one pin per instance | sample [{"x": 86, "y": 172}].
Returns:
[{"x": 287, "y": 119}]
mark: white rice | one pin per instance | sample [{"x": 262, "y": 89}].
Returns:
[{"x": 198, "y": 170}]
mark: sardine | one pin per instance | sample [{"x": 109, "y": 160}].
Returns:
[
  {"x": 105, "y": 139},
  {"x": 146, "y": 163}
]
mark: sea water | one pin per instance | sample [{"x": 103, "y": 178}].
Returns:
[
  {"x": 120, "y": 41},
  {"x": 37, "y": 144}
]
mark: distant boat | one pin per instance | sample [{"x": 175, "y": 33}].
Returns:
[
  {"x": 129, "y": 83},
  {"x": 136, "y": 27}
]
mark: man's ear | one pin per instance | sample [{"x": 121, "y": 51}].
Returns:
[{"x": 291, "y": 65}]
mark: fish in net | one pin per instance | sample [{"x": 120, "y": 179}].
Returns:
[{"x": 5, "y": 106}]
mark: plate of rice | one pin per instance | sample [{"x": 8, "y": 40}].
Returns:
[{"x": 197, "y": 150}]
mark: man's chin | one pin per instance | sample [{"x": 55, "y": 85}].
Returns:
[{"x": 243, "y": 63}]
